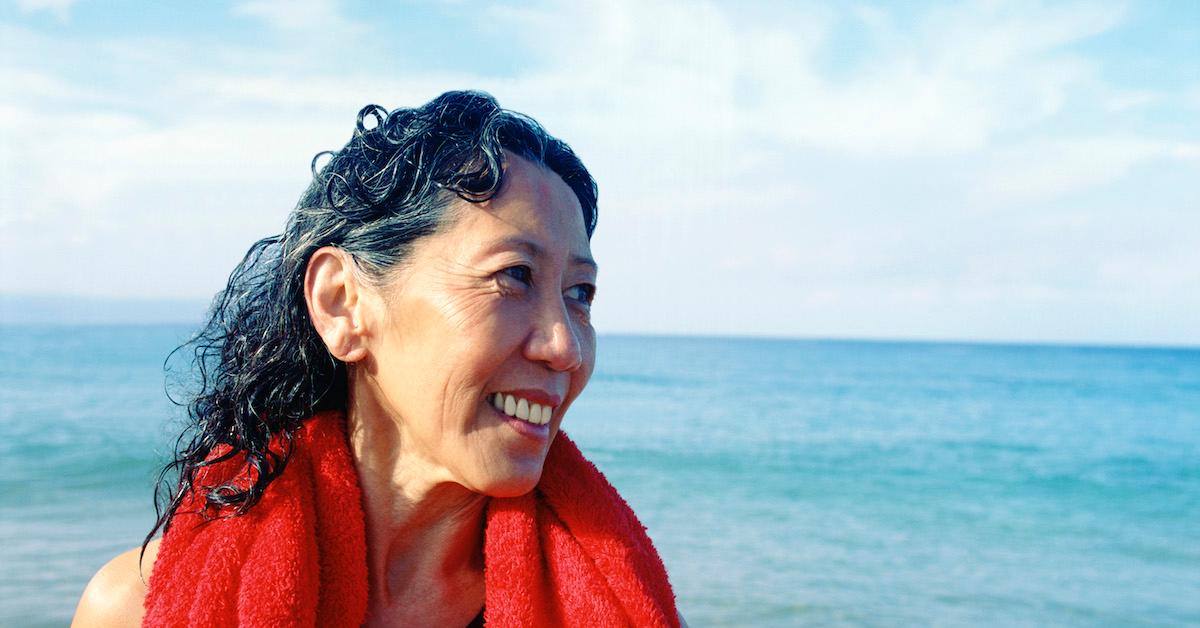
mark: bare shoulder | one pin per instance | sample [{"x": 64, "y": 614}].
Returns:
[{"x": 115, "y": 594}]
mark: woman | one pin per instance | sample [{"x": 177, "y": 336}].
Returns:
[{"x": 376, "y": 435}]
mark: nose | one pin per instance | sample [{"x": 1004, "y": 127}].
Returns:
[{"x": 555, "y": 339}]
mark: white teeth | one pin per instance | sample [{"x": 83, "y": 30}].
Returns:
[{"x": 535, "y": 413}]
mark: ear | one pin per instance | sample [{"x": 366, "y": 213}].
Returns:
[{"x": 334, "y": 304}]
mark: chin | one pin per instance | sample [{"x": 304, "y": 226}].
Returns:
[{"x": 514, "y": 484}]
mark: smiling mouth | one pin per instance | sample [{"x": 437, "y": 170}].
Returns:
[{"x": 523, "y": 409}]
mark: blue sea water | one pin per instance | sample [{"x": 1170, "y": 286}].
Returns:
[{"x": 785, "y": 482}]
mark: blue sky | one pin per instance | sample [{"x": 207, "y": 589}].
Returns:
[{"x": 985, "y": 171}]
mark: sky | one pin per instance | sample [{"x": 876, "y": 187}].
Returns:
[{"x": 991, "y": 171}]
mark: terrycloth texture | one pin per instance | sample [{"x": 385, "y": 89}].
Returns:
[
  {"x": 298, "y": 558},
  {"x": 570, "y": 553}
]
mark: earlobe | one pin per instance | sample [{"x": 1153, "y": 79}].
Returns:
[{"x": 332, "y": 295}]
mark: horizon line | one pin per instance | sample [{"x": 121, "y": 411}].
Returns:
[
  {"x": 658, "y": 335},
  {"x": 121, "y": 319}
]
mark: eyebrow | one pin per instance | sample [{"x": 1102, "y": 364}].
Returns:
[{"x": 537, "y": 251}]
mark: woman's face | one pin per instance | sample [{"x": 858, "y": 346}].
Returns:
[{"x": 492, "y": 310}]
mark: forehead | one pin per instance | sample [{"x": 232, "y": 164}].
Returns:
[{"x": 534, "y": 209}]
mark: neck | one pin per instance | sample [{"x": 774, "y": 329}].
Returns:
[{"x": 424, "y": 531}]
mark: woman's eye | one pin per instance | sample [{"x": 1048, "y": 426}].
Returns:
[
  {"x": 583, "y": 293},
  {"x": 522, "y": 274}
]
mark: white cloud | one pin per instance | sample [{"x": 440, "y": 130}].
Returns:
[
  {"x": 1126, "y": 101},
  {"x": 734, "y": 153},
  {"x": 947, "y": 86},
  {"x": 301, "y": 15},
  {"x": 60, "y": 8},
  {"x": 1046, "y": 168},
  {"x": 989, "y": 36},
  {"x": 1191, "y": 97}
]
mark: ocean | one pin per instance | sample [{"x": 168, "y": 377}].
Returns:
[{"x": 785, "y": 482}]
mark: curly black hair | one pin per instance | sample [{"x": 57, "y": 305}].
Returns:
[{"x": 260, "y": 368}]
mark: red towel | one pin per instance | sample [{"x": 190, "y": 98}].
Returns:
[{"x": 570, "y": 553}]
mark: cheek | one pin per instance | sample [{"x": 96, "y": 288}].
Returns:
[
  {"x": 466, "y": 312},
  {"x": 587, "y": 342},
  {"x": 496, "y": 330},
  {"x": 489, "y": 338}
]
